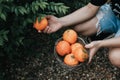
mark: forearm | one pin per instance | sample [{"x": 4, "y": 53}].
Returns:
[
  {"x": 113, "y": 42},
  {"x": 80, "y": 15}
]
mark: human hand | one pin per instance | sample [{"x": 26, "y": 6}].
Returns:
[
  {"x": 53, "y": 24},
  {"x": 93, "y": 47}
]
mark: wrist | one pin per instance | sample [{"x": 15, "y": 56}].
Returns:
[
  {"x": 62, "y": 22},
  {"x": 100, "y": 43}
]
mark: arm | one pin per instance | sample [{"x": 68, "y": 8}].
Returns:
[
  {"x": 95, "y": 45},
  {"x": 113, "y": 42},
  {"x": 80, "y": 15}
]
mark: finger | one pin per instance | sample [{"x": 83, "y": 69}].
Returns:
[
  {"x": 90, "y": 59},
  {"x": 46, "y": 29},
  {"x": 49, "y": 31},
  {"x": 91, "y": 54},
  {"x": 48, "y": 16},
  {"x": 89, "y": 45}
]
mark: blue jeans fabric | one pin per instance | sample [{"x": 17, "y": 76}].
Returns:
[{"x": 109, "y": 22}]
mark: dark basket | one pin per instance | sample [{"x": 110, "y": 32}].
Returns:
[{"x": 60, "y": 58}]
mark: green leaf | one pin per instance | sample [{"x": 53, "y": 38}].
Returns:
[
  {"x": 59, "y": 4},
  {"x": 24, "y": 10},
  {"x": 20, "y": 10},
  {"x": 42, "y": 6},
  {"x": 29, "y": 20},
  {"x": 64, "y": 11},
  {"x": 16, "y": 11},
  {"x": 36, "y": 8},
  {"x": 5, "y": 35},
  {"x": 21, "y": 40},
  {"x": 1, "y": 41},
  {"x": 56, "y": 9},
  {"x": 3, "y": 16},
  {"x": 60, "y": 10},
  {"x": 33, "y": 9},
  {"x": 52, "y": 8},
  {"x": 39, "y": 19}
]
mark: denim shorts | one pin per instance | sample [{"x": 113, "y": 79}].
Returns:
[{"x": 107, "y": 21}]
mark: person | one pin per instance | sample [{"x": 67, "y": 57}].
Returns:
[{"x": 96, "y": 17}]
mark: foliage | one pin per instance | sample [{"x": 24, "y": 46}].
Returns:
[
  {"x": 73, "y": 4},
  {"x": 16, "y": 21},
  {"x": 17, "y": 35}
]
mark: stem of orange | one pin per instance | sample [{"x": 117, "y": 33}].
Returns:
[{"x": 39, "y": 31}]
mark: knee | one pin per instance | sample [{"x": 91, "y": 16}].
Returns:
[
  {"x": 87, "y": 33},
  {"x": 78, "y": 28},
  {"x": 82, "y": 32},
  {"x": 114, "y": 57}
]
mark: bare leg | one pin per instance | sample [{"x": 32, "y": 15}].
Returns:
[
  {"x": 114, "y": 56},
  {"x": 87, "y": 28}
]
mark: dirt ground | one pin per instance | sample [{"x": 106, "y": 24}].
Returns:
[{"x": 46, "y": 67}]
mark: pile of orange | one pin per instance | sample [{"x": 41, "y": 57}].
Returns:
[{"x": 72, "y": 51}]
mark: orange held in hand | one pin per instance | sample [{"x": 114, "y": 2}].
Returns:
[
  {"x": 63, "y": 48},
  {"x": 40, "y": 25},
  {"x": 81, "y": 54},
  {"x": 70, "y": 36},
  {"x": 75, "y": 46},
  {"x": 70, "y": 60}
]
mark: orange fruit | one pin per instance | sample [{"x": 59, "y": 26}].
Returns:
[
  {"x": 40, "y": 25},
  {"x": 70, "y": 36},
  {"x": 75, "y": 46},
  {"x": 63, "y": 48},
  {"x": 81, "y": 54},
  {"x": 70, "y": 60}
]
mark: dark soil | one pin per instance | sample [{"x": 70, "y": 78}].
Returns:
[{"x": 46, "y": 67}]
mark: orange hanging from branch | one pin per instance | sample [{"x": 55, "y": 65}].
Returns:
[{"x": 40, "y": 25}]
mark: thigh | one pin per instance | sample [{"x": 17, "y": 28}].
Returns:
[{"x": 87, "y": 27}]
